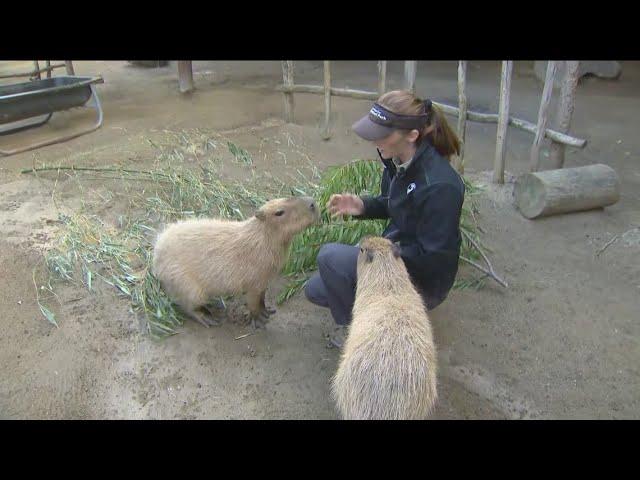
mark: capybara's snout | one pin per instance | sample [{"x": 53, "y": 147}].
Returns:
[{"x": 310, "y": 201}]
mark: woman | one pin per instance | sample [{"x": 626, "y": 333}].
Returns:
[{"x": 421, "y": 194}]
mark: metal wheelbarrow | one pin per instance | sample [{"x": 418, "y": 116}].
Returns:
[{"x": 21, "y": 101}]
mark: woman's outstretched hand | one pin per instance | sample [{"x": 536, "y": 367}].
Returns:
[{"x": 345, "y": 204}]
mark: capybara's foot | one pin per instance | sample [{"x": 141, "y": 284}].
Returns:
[
  {"x": 259, "y": 320},
  {"x": 263, "y": 306},
  {"x": 212, "y": 322},
  {"x": 212, "y": 311},
  {"x": 258, "y": 323},
  {"x": 205, "y": 320}
]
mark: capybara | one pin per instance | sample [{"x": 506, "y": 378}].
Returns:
[
  {"x": 388, "y": 366},
  {"x": 196, "y": 260}
]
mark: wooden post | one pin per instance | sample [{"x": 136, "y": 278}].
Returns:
[
  {"x": 47, "y": 64},
  {"x": 410, "y": 68},
  {"x": 37, "y": 67},
  {"x": 540, "y": 194},
  {"x": 327, "y": 99},
  {"x": 503, "y": 121},
  {"x": 462, "y": 118},
  {"x": 565, "y": 110},
  {"x": 69, "y": 65},
  {"x": 534, "y": 162},
  {"x": 185, "y": 76},
  {"x": 287, "y": 75},
  {"x": 382, "y": 77}
]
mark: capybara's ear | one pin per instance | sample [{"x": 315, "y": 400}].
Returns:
[
  {"x": 260, "y": 215},
  {"x": 369, "y": 256},
  {"x": 395, "y": 249}
]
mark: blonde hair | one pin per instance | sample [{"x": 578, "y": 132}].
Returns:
[{"x": 442, "y": 137}]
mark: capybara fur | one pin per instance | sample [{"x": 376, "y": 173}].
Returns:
[
  {"x": 199, "y": 259},
  {"x": 387, "y": 369}
]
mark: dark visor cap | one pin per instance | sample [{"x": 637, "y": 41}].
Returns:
[{"x": 381, "y": 123}]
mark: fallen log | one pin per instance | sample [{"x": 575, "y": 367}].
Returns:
[{"x": 551, "y": 192}]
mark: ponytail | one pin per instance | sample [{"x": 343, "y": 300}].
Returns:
[{"x": 442, "y": 137}]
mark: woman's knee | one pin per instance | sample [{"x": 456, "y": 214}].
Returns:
[
  {"x": 326, "y": 253},
  {"x": 315, "y": 291}
]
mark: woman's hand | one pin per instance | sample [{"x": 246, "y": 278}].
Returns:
[{"x": 345, "y": 204}]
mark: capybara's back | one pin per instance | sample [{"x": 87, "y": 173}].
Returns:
[
  {"x": 388, "y": 366},
  {"x": 192, "y": 258}
]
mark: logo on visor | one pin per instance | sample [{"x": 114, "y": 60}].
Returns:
[{"x": 378, "y": 113}]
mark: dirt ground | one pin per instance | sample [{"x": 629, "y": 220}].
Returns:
[{"x": 561, "y": 342}]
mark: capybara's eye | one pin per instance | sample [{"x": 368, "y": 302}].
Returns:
[
  {"x": 279, "y": 213},
  {"x": 313, "y": 206}
]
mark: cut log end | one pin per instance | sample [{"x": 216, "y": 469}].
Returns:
[
  {"x": 552, "y": 192},
  {"x": 529, "y": 195}
]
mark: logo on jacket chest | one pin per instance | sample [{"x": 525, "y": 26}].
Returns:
[{"x": 411, "y": 188}]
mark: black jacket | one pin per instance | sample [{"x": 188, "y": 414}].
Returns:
[{"x": 424, "y": 203}]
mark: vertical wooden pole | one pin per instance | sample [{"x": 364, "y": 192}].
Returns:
[
  {"x": 565, "y": 110},
  {"x": 327, "y": 99},
  {"x": 410, "y": 68},
  {"x": 462, "y": 118},
  {"x": 382, "y": 77},
  {"x": 547, "y": 91},
  {"x": 287, "y": 74},
  {"x": 69, "y": 66},
  {"x": 185, "y": 76},
  {"x": 503, "y": 121},
  {"x": 36, "y": 65},
  {"x": 47, "y": 64}
]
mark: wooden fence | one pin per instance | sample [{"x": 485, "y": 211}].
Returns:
[{"x": 559, "y": 138}]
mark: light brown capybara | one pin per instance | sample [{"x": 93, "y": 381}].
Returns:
[
  {"x": 199, "y": 259},
  {"x": 388, "y": 365}
]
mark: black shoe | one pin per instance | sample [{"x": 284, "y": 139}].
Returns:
[{"x": 337, "y": 339}]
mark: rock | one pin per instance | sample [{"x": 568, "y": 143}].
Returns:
[
  {"x": 149, "y": 63},
  {"x": 609, "y": 69},
  {"x": 601, "y": 69}
]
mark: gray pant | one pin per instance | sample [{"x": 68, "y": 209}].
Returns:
[{"x": 333, "y": 286}]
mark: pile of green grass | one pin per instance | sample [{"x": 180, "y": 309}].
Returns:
[{"x": 88, "y": 250}]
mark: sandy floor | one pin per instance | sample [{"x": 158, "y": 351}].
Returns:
[{"x": 561, "y": 342}]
